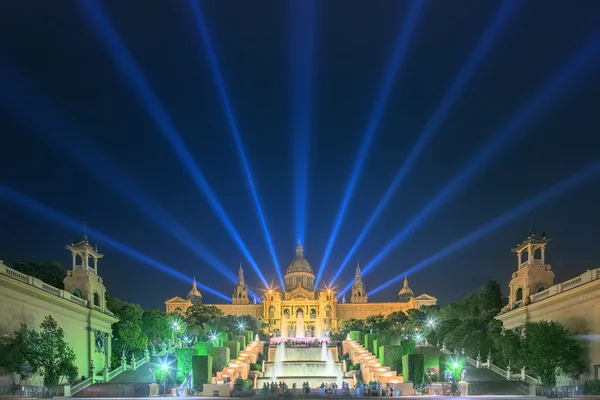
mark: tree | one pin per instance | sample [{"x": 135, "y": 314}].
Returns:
[
  {"x": 156, "y": 326},
  {"x": 377, "y": 322},
  {"x": 49, "y": 272},
  {"x": 19, "y": 354},
  {"x": 55, "y": 357},
  {"x": 550, "y": 349},
  {"x": 201, "y": 314},
  {"x": 127, "y": 332},
  {"x": 396, "y": 319},
  {"x": 352, "y": 324}
]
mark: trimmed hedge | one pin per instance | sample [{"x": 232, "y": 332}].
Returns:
[
  {"x": 220, "y": 358},
  {"x": 222, "y": 337},
  {"x": 413, "y": 369},
  {"x": 391, "y": 356},
  {"x": 201, "y": 371},
  {"x": 369, "y": 337},
  {"x": 355, "y": 335},
  {"x": 203, "y": 348},
  {"x": 375, "y": 347},
  {"x": 431, "y": 356},
  {"x": 241, "y": 339},
  {"x": 184, "y": 360},
  {"x": 234, "y": 348},
  {"x": 249, "y": 336},
  {"x": 408, "y": 347}
]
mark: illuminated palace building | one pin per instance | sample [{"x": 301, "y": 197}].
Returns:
[{"x": 301, "y": 311}]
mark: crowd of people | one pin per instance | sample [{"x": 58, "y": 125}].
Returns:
[{"x": 300, "y": 343}]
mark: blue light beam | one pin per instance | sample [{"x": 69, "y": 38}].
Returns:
[
  {"x": 214, "y": 65},
  {"x": 302, "y": 15},
  {"x": 37, "y": 112},
  {"x": 499, "y": 142},
  {"x": 55, "y": 216},
  {"x": 482, "y": 48},
  {"x": 583, "y": 176},
  {"x": 400, "y": 50},
  {"x": 135, "y": 77}
]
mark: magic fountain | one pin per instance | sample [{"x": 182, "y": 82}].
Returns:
[{"x": 299, "y": 359}]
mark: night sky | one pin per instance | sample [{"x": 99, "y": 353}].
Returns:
[{"x": 55, "y": 51}]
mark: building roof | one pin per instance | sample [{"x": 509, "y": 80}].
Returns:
[{"x": 299, "y": 263}]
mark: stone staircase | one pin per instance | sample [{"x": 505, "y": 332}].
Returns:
[{"x": 485, "y": 382}]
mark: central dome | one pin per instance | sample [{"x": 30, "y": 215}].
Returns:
[
  {"x": 299, "y": 264},
  {"x": 299, "y": 274}
]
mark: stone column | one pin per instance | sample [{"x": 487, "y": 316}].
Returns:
[
  {"x": 489, "y": 359},
  {"x": 523, "y": 374},
  {"x": 478, "y": 360},
  {"x": 508, "y": 371}
]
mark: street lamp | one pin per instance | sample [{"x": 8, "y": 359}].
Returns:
[
  {"x": 455, "y": 366},
  {"x": 165, "y": 369}
]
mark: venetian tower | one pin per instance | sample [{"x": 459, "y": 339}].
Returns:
[
  {"x": 359, "y": 290},
  {"x": 240, "y": 292},
  {"x": 533, "y": 275},
  {"x": 83, "y": 280}
]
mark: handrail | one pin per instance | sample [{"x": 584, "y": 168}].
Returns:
[{"x": 82, "y": 385}]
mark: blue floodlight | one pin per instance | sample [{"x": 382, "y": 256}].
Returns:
[
  {"x": 567, "y": 185},
  {"x": 499, "y": 142},
  {"x": 126, "y": 63},
  {"x": 482, "y": 48},
  {"x": 214, "y": 65},
  {"x": 32, "y": 205},
  {"x": 400, "y": 50},
  {"x": 302, "y": 15},
  {"x": 48, "y": 122}
]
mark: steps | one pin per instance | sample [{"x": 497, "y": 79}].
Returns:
[
  {"x": 498, "y": 388},
  {"x": 482, "y": 381}
]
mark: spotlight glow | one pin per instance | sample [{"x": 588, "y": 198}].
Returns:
[
  {"x": 482, "y": 48},
  {"x": 398, "y": 56},
  {"x": 302, "y": 15},
  {"x": 204, "y": 34},
  {"x": 51, "y": 214},
  {"x": 583, "y": 176},
  {"x": 134, "y": 77},
  {"x": 499, "y": 142},
  {"x": 48, "y": 122}
]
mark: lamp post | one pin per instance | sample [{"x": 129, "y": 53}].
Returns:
[
  {"x": 175, "y": 327},
  {"x": 165, "y": 369},
  {"x": 455, "y": 367}
]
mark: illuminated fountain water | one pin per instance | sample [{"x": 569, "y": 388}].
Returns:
[
  {"x": 302, "y": 361},
  {"x": 285, "y": 323},
  {"x": 256, "y": 338},
  {"x": 300, "y": 324},
  {"x": 279, "y": 359},
  {"x": 348, "y": 337}
]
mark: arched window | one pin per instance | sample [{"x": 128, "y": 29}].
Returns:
[
  {"x": 313, "y": 313},
  {"x": 519, "y": 294},
  {"x": 538, "y": 288},
  {"x": 358, "y": 294},
  {"x": 96, "y": 299},
  {"x": 240, "y": 295},
  {"x": 271, "y": 312},
  {"x": 77, "y": 292}
]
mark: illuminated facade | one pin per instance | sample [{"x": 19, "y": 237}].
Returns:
[
  {"x": 299, "y": 310},
  {"x": 533, "y": 296},
  {"x": 80, "y": 309}
]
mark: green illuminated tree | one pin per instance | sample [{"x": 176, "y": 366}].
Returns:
[
  {"x": 127, "y": 332},
  {"x": 156, "y": 326},
  {"x": 55, "y": 358}
]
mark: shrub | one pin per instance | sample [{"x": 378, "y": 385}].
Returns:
[
  {"x": 254, "y": 367},
  {"x": 592, "y": 388}
]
